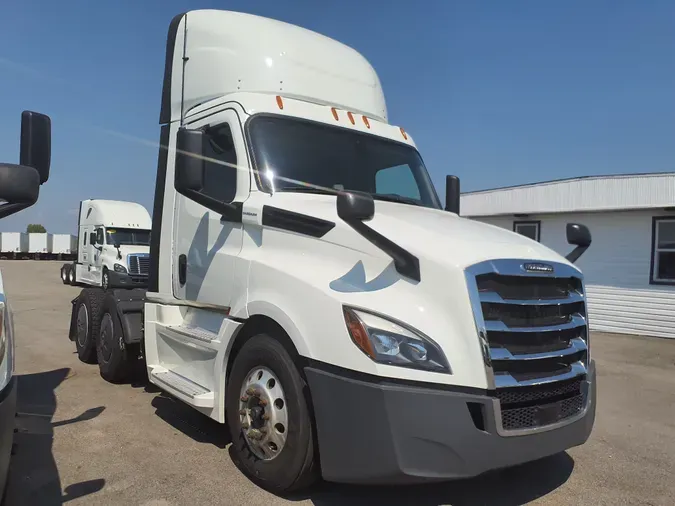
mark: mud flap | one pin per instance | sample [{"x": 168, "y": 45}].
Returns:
[{"x": 73, "y": 319}]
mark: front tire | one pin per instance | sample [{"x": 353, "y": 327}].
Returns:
[
  {"x": 115, "y": 359},
  {"x": 89, "y": 307},
  {"x": 64, "y": 273},
  {"x": 71, "y": 275},
  {"x": 269, "y": 418}
]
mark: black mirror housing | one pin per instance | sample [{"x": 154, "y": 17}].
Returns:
[
  {"x": 355, "y": 206},
  {"x": 36, "y": 143},
  {"x": 189, "y": 176},
  {"x": 578, "y": 235},
  {"x": 19, "y": 185},
  {"x": 92, "y": 238},
  {"x": 452, "y": 194}
]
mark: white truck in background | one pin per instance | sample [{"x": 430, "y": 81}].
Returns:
[
  {"x": 308, "y": 288},
  {"x": 19, "y": 189},
  {"x": 113, "y": 245}
]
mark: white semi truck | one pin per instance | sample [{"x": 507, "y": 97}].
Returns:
[
  {"x": 113, "y": 245},
  {"x": 19, "y": 189},
  {"x": 308, "y": 288}
]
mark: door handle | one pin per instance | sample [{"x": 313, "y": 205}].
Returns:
[{"x": 182, "y": 269}]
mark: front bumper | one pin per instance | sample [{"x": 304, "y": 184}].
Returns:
[
  {"x": 125, "y": 280},
  {"x": 378, "y": 433},
  {"x": 7, "y": 423}
]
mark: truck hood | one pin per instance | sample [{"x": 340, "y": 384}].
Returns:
[{"x": 428, "y": 233}]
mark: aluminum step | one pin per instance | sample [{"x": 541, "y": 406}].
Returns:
[
  {"x": 198, "y": 333},
  {"x": 193, "y": 393}
]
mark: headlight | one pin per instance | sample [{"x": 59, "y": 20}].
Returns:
[
  {"x": 389, "y": 342},
  {"x": 120, "y": 268},
  {"x": 6, "y": 348}
]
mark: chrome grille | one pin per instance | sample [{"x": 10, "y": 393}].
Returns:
[
  {"x": 139, "y": 264},
  {"x": 534, "y": 335}
]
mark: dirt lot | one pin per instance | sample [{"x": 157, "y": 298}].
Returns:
[{"x": 84, "y": 441}]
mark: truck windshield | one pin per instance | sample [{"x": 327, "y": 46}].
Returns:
[
  {"x": 332, "y": 158},
  {"x": 130, "y": 236}
]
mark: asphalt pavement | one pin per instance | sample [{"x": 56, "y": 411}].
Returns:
[{"x": 81, "y": 440}]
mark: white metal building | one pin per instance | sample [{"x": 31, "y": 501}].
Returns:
[{"x": 630, "y": 266}]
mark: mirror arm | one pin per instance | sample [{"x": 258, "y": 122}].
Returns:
[
  {"x": 405, "y": 262},
  {"x": 10, "y": 209},
  {"x": 574, "y": 255},
  {"x": 230, "y": 211}
]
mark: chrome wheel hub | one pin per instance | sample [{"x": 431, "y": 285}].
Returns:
[{"x": 263, "y": 415}]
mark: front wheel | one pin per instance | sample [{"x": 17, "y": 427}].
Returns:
[{"x": 269, "y": 418}]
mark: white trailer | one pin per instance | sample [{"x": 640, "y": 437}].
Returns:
[
  {"x": 38, "y": 244},
  {"x": 308, "y": 288},
  {"x": 13, "y": 244},
  {"x": 63, "y": 245},
  {"x": 113, "y": 245}
]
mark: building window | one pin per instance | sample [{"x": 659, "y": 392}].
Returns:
[
  {"x": 528, "y": 229},
  {"x": 663, "y": 246}
]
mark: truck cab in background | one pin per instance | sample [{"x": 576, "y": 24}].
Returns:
[
  {"x": 113, "y": 245},
  {"x": 308, "y": 288},
  {"x": 19, "y": 189}
]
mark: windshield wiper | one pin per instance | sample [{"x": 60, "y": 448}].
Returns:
[
  {"x": 306, "y": 189},
  {"x": 394, "y": 197}
]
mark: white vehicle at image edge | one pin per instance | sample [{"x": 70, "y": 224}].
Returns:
[
  {"x": 113, "y": 245},
  {"x": 19, "y": 189},
  {"x": 307, "y": 287}
]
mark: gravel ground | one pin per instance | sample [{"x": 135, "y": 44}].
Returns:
[{"x": 84, "y": 441}]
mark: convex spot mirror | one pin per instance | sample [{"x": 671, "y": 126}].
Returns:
[
  {"x": 355, "y": 206},
  {"x": 578, "y": 235},
  {"x": 19, "y": 184}
]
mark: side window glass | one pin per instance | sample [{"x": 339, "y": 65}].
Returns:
[
  {"x": 220, "y": 175},
  {"x": 398, "y": 180}
]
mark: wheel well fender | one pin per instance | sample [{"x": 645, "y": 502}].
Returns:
[{"x": 270, "y": 319}]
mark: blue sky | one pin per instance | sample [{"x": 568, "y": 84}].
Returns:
[{"x": 496, "y": 92}]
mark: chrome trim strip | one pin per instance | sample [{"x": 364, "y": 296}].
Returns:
[
  {"x": 495, "y": 298},
  {"x": 576, "y": 345},
  {"x": 578, "y": 321},
  {"x": 481, "y": 330},
  {"x": 513, "y": 267},
  {"x": 505, "y": 380}
]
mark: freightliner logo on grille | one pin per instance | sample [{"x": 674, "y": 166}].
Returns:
[{"x": 537, "y": 267}]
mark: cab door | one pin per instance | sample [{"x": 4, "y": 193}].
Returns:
[{"x": 206, "y": 245}]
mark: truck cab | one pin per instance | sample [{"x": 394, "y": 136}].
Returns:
[
  {"x": 114, "y": 245},
  {"x": 19, "y": 190},
  {"x": 308, "y": 287}
]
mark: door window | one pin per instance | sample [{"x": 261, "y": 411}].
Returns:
[{"x": 220, "y": 170}]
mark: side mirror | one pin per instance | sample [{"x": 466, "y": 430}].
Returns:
[
  {"x": 36, "y": 143},
  {"x": 452, "y": 195},
  {"x": 577, "y": 235},
  {"x": 19, "y": 185},
  {"x": 92, "y": 238},
  {"x": 355, "y": 206},
  {"x": 189, "y": 176}
]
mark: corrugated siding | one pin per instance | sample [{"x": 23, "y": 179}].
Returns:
[
  {"x": 590, "y": 194},
  {"x": 616, "y": 269}
]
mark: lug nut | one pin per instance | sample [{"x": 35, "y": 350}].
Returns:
[
  {"x": 244, "y": 398},
  {"x": 244, "y": 425},
  {"x": 243, "y": 412},
  {"x": 250, "y": 391},
  {"x": 266, "y": 416},
  {"x": 263, "y": 402}
]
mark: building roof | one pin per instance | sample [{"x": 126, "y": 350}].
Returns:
[{"x": 579, "y": 194}]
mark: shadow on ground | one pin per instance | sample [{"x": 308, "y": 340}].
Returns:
[
  {"x": 511, "y": 487},
  {"x": 33, "y": 475}
]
